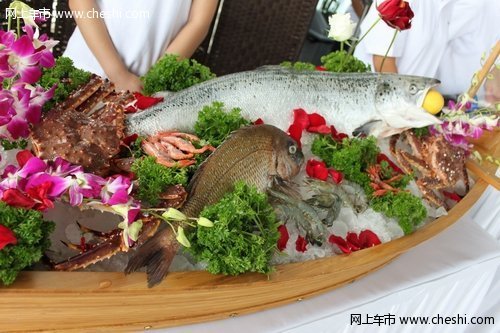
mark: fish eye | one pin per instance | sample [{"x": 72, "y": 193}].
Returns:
[
  {"x": 413, "y": 89},
  {"x": 292, "y": 149}
]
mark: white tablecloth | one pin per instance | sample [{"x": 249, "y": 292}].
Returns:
[{"x": 455, "y": 273}]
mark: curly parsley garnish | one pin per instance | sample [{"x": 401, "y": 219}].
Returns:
[
  {"x": 172, "y": 74},
  {"x": 32, "y": 234},
  {"x": 244, "y": 235},
  {"x": 214, "y": 124}
]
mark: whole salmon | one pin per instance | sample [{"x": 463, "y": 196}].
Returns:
[
  {"x": 377, "y": 104},
  {"x": 257, "y": 155}
]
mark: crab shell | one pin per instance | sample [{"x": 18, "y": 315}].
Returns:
[{"x": 86, "y": 129}]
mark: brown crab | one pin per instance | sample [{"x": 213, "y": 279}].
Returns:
[
  {"x": 439, "y": 164},
  {"x": 110, "y": 243},
  {"x": 174, "y": 148},
  {"x": 86, "y": 129}
]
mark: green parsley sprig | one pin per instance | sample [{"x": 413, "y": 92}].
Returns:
[
  {"x": 214, "y": 123},
  {"x": 172, "y": 74},
  {"x": 243, "y": 237}
]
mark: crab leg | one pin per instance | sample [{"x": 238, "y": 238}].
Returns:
[{"x": 107, "y": 248}]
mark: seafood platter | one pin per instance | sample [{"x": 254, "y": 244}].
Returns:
[{"x": 262, "y": 187}]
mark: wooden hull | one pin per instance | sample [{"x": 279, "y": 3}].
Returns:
[
  {"x": 93, "y": 301},
  {"x": 85, "y": 301}
]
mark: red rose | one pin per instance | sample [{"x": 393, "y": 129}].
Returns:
[{"x": 396, "y": 13}]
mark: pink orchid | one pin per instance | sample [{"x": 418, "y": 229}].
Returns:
[
  {"x": 62, "y": 168},
  {"x": 25, "y": 108},
  {"x": 58, "y": 184},
  {"x": 14, "y": 177},
  {"x": 129, "y": 211},
  {"x": 24, "y": 60},
  {"x": 6, "y": 109},
  {"x": 43, "y": 46},
  {"x": 116, "y": 191},
  {"x": 83, "y": 185}
]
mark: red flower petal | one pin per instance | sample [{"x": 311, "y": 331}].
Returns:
[
  {"x": 317, "y": 169},
  {"x": 320, "y": 68},
  {"x": 337, "y": 176},
  {"x": 301, "y": 118},
  {"x": 6, "y": 237},
  {"x": 340, "y": 242},
  {"x": 452, "y": 196},
  {"x": 144, "y": 102},
  {"x": 295, "y": 131},
  {"x": 130, "y": 139},
  {"x": 322, "y": 129},
  {"x": 131, "y": 109},
  {"x": 368, "y": 238},
  {"x": 336, "y": 135},
  {"x": 396, "y": 13},
  {"x": 382, "y": 157},
  {"x": 258, "y": 122},
  {"x": 23, "y": 156},
  {"x": 320, "y": 173},
  {"x": 316, "y": 120},
  {"x": 40, "y": 194},
  {"x": 353, "y": 241},
  {"x": 283, "y": 238},
  {"x": 301, "y": 244},
  {"x": 14, "y": 197}
]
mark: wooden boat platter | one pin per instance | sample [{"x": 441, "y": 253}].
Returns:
[{"x": 95, "y": 301}]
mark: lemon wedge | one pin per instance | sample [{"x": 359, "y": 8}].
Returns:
[{"x": 433, "y": 102}]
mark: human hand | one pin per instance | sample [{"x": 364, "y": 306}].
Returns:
[
  {"x": 492, "y": 87},
  {"x": 126, "y": 81}
]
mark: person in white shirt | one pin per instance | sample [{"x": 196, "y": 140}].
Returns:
[
  {"x": 122, "y": 39},
  {"x": 446, "y": 40}
]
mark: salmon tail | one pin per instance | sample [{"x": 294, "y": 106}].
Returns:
[{"x": 156, "y": 255}]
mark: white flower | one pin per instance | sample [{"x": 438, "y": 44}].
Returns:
[{"x": 341, "y": 27}]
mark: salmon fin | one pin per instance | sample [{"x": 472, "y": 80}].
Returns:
[
  {"x": 156, "y": 255},
  {"x": 367, "y": 128}
]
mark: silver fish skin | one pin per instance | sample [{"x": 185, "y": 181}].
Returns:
[{"x": 376, "y": 104}]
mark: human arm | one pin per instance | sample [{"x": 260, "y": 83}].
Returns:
[
  {"x": 389, "y": 64},
  {"x": 97, "y": 37},
  {"x": 195, "y": 30}
]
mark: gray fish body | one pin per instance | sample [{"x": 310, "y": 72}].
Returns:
[{"x": 387, "y": 103}]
